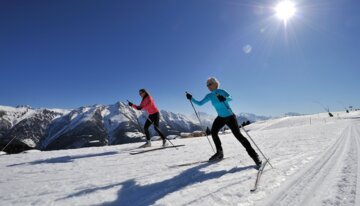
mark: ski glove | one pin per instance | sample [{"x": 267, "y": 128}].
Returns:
[
  {"x": 221, "y": 98},
  {"x": 188, "y": 96},
  {"x": 130, "y": 104}
]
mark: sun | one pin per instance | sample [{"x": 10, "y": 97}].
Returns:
[{"x": 285, "y": 10}]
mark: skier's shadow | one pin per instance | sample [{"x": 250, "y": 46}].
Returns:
[
  {"x": 134, "y": 194},
  {"x": 64, "y": 159}
]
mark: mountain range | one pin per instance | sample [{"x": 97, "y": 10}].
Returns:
[{"x": 96, "y": 125}]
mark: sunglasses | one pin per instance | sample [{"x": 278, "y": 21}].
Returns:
[{"x": 209, "y": 84}]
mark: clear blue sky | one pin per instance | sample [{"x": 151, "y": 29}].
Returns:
[{"x": 66, "y": 53}]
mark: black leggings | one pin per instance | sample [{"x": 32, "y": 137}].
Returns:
[
  {"x": 232, "y": 123},
  {"x": 153, "y": 119}
]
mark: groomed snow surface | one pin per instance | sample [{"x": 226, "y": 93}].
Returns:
[{"x": 315, "y": 159}]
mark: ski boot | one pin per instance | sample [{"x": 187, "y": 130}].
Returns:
[
  {"x": 147, "y": 144},
  {"x": 258, "y": 165},
  {"x": 165, "y": 143},
  {"x": 217, "y": 156}
]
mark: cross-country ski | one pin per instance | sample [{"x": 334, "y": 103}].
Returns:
[
  {"x": 142, "y": 150},
  {"x": 259, "y": 174},
  {"x": 198, "y": 162}
]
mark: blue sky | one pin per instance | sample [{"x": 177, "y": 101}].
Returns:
[{"x": 66, "y": 54}]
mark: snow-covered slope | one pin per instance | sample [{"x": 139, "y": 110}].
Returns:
[{"x": 315, "y": 163}]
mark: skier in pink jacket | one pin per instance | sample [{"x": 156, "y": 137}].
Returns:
[{"x": 148, "y": 104}]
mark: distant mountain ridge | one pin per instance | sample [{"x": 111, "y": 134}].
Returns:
[
  {"x": 292, "y": 114},
  {"x": 96, "y": 125},
  {"x": 242, "y": 117}
]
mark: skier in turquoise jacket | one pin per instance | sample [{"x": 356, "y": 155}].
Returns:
[{"x": 220, "y": 100}]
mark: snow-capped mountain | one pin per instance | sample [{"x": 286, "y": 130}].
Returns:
[
  {"x": 111, "y": 124},
  {"x": 76, "y": 129},
  {"x": 292, "y": 114},
  {"x": 206, "y": 119},
  {"x": 95, "y": 125},
  {"x": 177, "y": 123},
  {"x": 243, "y": 117},
  {"x": 27, "y": 125}
]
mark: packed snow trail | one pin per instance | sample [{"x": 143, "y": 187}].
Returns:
[
  {"x": 330, "y": 180},
  {"x": 316, "y": 163}
]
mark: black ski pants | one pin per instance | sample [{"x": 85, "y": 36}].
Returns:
[
  {"x": 153, "y": 119},
  {"x": 232, "y": 123}
]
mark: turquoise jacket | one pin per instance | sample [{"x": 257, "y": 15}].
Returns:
[{"x": 222, "y": 108}]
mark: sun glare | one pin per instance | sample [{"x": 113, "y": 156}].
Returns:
[{"x": 285, "y": 10}]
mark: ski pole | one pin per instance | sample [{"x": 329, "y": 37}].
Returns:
[
  {"x": 140, "y": 129},
  {"x": 138, "y": 123},
  {"x": 157, "y": 129},
  {"x": 228, "y": 108},
  {"x": 201, "y": 123},
  {"x": 257, "y": 147},
  {"x": 8, "y": 143}
]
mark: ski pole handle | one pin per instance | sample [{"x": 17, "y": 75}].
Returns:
[{"x": 201, "y": 126}]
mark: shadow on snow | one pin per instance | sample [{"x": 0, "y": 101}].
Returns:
[
  {"x": 64, "y": 159},
  {"x": 134, "y": 194}
]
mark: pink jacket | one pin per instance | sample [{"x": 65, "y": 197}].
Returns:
[{"x": 147, "y": 104}]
